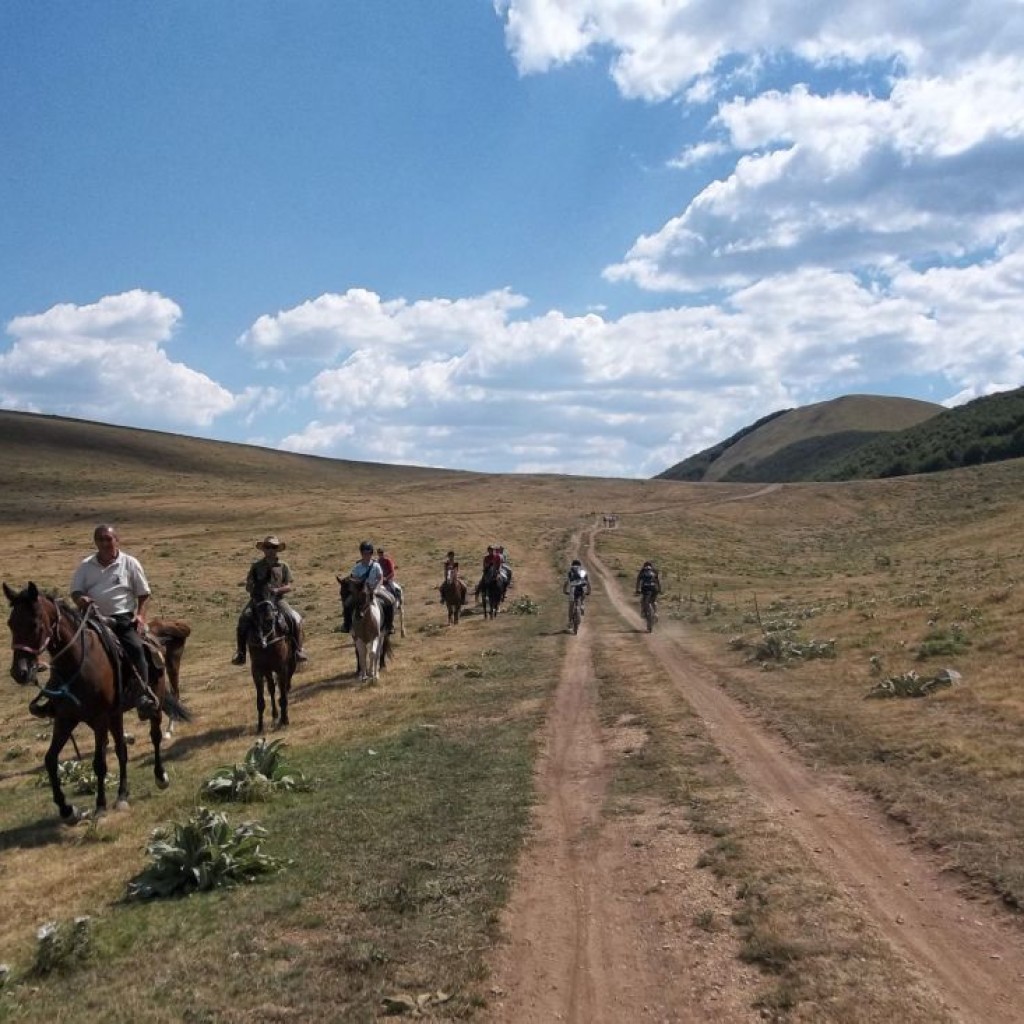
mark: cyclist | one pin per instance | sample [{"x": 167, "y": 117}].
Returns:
[
  {"x": 648, "y": 585},
  {"x": 577, "y": 583}
]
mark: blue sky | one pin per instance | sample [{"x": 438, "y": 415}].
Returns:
[{"x": 574, "y": 236}]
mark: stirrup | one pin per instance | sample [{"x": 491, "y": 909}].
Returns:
[
  {"x": 42, "y": 707},
  {"x": 147, "y": 706}
]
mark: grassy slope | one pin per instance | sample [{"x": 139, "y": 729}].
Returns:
[
  {"x": 910, "y": 575},
  {"x": 401, "y": 858}
]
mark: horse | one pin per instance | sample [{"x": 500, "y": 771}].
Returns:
[
  {"x": 453, "y": 593},
  {"x": 492, "y": 586},
  {"x": 373, "y": 647},
  {"x": 272, "y": 658},
  {"x": 84, "y": 687},
  {"x": 170, "y": 635},
  {"x": 396, "y": 592}
]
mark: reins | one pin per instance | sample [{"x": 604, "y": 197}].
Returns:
[{"x": 64, "y": 690}]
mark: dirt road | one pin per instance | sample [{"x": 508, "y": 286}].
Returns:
[{"x": 594, "y": 926}]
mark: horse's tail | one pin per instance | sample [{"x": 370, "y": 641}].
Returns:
[{"x": 173, "y": 708}]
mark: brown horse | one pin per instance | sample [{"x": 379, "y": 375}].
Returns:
[
  {"x": 272, "y": 658},
  {"x": 373, "y": 646},
  {"x": 453, "y": 593},
  {"x": 84, "y": 687}
]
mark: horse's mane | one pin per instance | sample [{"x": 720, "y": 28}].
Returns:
[{"x": 67, "y": 607}]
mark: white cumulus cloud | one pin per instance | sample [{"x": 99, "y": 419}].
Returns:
[{"x": 106, "y": 361}]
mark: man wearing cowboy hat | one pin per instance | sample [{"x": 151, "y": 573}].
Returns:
[{"x": 269, "y": 572}]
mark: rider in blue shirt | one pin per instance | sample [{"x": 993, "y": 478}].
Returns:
[{"x": 367, "y": 570}]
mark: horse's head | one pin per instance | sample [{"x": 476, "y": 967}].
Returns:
[
  {"x": 33, "y": 623},
  {"x": 264, "y": 607}
]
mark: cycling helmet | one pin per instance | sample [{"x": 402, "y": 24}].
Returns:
[{"x": 367, "y": 545}]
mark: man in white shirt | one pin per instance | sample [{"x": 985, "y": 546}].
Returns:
[{"x": 116, "y": 584}]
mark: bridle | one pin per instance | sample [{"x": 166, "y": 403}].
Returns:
[{"x": 50, "y": 634}]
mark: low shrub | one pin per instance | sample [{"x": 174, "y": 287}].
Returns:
[{"x": 203, "y": 853}]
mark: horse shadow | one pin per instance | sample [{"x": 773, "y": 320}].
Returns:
[
  {"x": 331, "y": 685},
  {"x": 181, "y": 747},
  {"x": 44, "y": 832}
]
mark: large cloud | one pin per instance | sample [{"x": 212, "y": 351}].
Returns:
[
  {"x": 629, "y": 396},
  {"x": 106, "y": 361},
  {"x": 662, "y": 48},
  {"x": 913, "y": 158}
]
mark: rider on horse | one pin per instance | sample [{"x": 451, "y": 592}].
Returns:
[
  {"x": 451, "y": 573},
  {"x": 492, "y": 561},
  {"x": 368, "y": 570},
  {"x": 388, "y": 567},
  {"x": 115, "y": 583},
  {"x": 577, "y": 583},
  {"x": 506, "y": 565},
  {"x": 273, "y": 576}
]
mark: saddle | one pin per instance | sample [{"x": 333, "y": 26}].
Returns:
[
  {"x": 282, "y": 627},
  {"x": 122, "y": 663}
]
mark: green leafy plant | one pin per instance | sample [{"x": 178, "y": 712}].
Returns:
[
  {"x": 76, "y": 776},
  {"x": 59, "y": 946},
  {"x": 263, "y": 772},
  {"x": 203, "y": 853},
  {"x": 524, "y": 606}
]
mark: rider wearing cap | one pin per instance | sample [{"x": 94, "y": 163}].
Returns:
[
  {"x": 577, "y": 582},
  {"x": 368, "y": 570},
  {"x": 271, "y": 574}
]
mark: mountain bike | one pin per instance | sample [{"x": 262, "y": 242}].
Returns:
[
  {"x": 575, "y": 611},
  {"x": 649, "y": 609}
]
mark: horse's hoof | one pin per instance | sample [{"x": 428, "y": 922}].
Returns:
[
  {"x": 163, "y": 780},
  {"x": 168, "y": 734},
  {"x": 122, "y": 805},
  {"x": 129, "y": 738},
  {"x": 73, "y": 815}
]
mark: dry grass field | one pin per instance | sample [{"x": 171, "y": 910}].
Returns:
[{"x": 401, "y": 858}]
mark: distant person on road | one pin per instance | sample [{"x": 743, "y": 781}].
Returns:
[{"x": 271, "y": 574}]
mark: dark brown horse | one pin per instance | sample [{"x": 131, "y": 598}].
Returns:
[
  {"x": 453, "y": 593},
  {"x": 83, "y": 687},
  {"x": 492, "y": 587},
  {"x": 272, "y": 658}
]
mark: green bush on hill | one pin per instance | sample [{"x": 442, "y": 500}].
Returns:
[{"x": 989, "y": 429}]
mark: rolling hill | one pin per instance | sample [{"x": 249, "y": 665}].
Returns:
[{"x": 796, "y": 444}]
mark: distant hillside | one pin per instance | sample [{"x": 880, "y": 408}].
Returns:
[
  {"x": 696, "y": 466},
  {"x": 797, "y": 443},
  {"x": 989, "y": 429}
]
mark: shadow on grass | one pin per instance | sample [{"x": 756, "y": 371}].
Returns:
[
  {"x": 332, "y": 685},
  {"x": 182, "y": 746},
  {"x": 37, "y": 833}
]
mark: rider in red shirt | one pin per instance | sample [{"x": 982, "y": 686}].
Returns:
[{"x": 387, "y": 566}]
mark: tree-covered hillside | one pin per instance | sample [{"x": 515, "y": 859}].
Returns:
[{"x": 988, "y": 429}]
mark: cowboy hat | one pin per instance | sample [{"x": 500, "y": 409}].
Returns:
[{"x": 271, "y": 542}]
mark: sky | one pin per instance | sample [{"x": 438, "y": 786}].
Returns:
[{"x": 570, "y": 236}]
